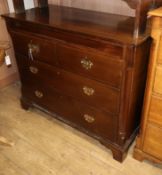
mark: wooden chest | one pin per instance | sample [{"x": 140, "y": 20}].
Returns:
[
  {"x": 149, "y": 141},
  {"x": 91, "y": 74}
]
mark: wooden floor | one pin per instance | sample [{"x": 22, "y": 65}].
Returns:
[{"x": 45, "y": 146}]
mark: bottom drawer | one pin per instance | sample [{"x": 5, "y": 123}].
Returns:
[
  {"x": 153, "y": 141},
  {"x": 98, "y": 123}
]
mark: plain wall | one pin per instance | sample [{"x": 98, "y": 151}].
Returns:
[
  {"x": 7, "y": 74},
  {"x": 111, "y": 6}
]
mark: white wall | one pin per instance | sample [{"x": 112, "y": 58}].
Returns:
[
  {"x": 10, "y": 4},
  {"x": 28, "y": 4}
]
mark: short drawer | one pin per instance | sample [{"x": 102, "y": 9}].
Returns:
[
  {"x": 35, "y": 48},
  {"x": 108, "y": 69},
  {"x": 80, "y": 115},
  {"x": 158, "y": 80},
  {"x": 155, "y": 113},
  {"x": 153, "y": 141},
  {"x": 86, "y": 90}
]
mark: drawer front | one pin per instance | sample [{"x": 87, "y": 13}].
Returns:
[
  {"x": 158, "y": 80},
  {"x": 153, "y": 141},
  {"x": 72, "y": 111},
  {"x": 160, "y": 51},
  {"x": 86, "y": 90},
  {"x": 155, "y": 113},
  {"x": 35, "y": 48},
  {"x": 102, "y": 68}
]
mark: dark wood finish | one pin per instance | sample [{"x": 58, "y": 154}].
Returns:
[
  {"x": 141, "y": 13},
  {"x": 142, "y": 7},
  {"x": 45, "y": 49},
  {"x": 101, "y": 69},
  {"x": 66, "y": 106},
  {"x": 19, "y": 6},
  {"x": 157, "y": 3},
  {"x": 101, "y": 95},
  {"x": 42, "y": 3},
  {"x": 56, "y": 19}
]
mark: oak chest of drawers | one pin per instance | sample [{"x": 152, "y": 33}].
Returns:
[
  {"x": 90, "y": 74},
  {"x": 149, "y": 141}
]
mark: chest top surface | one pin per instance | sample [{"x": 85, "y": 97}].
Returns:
[{"x": 117, "y": 28}]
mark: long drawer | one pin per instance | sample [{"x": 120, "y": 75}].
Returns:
[
  {"x": 86, "y": 90},
  {"x": 81, "y": 115},
  {"x": 108, "y": 69},
  {"x": 35, "y": 48}
]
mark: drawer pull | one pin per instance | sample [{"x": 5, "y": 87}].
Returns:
[
  {"x": 33, "y": 70},
  {"x": 38, "y": 94},
  {"x": 87, "y": 64},
  {"x": 89, "y": 118},
  {"x": 88, "y": 91},
  {"x": 32, "y": 48}
]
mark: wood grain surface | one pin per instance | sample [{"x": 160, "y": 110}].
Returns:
[{"x": 149, "y": 145}]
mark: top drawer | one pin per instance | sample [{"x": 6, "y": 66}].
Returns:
[
  {"x": 35, "y": 48},
  {"x": 107, "y": 69}
]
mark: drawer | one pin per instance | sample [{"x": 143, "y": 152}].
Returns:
[
  {"x": 160, "y": 51},
  {"x": 82, "y": 116},
  {"x": 153, "y": 141},
  {"x": 86, "y": 90},
  {"x": 108, "y": 69},
  {"x": 158, "y": 80},
  {"x": 35, "y": 48},
  {"x": 155, "y": 113}
]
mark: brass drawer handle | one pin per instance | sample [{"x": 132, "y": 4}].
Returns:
[
  {"x": 38, "y": 94},
  {"x": 87, "y": 64},
  {"x": 89, "y": 118},
  {"x": 33, "y": 70},
  {"x": 88, "y": 91}
]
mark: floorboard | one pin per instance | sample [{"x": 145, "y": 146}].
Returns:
[{"x": 45, "y": 146}]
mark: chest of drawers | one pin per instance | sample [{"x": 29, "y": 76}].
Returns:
[
  {"x": 149, "y": 141},
  {"x": 89, "y": 75}
]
